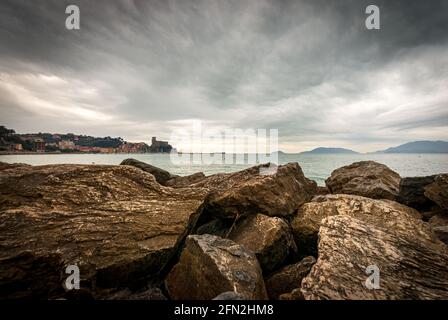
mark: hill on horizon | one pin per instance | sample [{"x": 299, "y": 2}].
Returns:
[
  {"x": 325, "y": 150},
  {"x": 419, "y": 147}
]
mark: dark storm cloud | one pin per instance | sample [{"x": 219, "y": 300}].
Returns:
[{"x": 308, "y": 68}]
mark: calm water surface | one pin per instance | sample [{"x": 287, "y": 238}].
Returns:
[{"x": 316, "y": 167}]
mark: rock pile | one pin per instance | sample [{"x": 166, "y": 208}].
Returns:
[{"x": 138, "y": 232}]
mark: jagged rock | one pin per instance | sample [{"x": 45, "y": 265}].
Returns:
[
  {"x": 411, "y": 261},
  {"x": 229, "y": 295},
  {"x": 116, "y": 223},
  {"x": 185, "y": 181},
  {"x": 210, "y": 265},
  {"x": 365, "y": 178},
  {"x": 269, "y": 238},
  {"x": 412, "y": 191},
  {"x": 215, "y": 227},
  {"x": 306, "y": 223},
  {"x": 4, "y": 165},
  {"x": 439, "y": 224},
  {"x": 288, "y": 278},
  {"x": 259, "y": 189},
  {"x": 438, "y": 191},
  {"x": 162, "y": 176}
]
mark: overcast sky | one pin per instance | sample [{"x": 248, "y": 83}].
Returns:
[{"x": 308, "y": 68}]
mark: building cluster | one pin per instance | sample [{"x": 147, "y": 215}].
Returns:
[{"x": 75, "y": 143}]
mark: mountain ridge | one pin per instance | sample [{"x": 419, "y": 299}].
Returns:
[
  {"x": 422, "y": 146},
  {"x": 329, "y": 150}
]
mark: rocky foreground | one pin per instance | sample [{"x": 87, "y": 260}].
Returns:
[{"x": 138, "y": 232}]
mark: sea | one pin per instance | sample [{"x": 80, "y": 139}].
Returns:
[{"x": 317, "y": 167}]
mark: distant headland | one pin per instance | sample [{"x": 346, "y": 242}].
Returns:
[
  {"x": 325, "y": 150},
  {"x": 12, "y": 142},
  {"x": 419, "y": 147}
]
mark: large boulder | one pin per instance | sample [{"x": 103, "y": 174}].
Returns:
[
  {"x": 162, "y": 176},
  {"x": 438, "y": 191},
  {"x": 269, "y": 238},
  {"x": 288, "y": 278},
  {"x": 412, "y": 192},
  {"x": 210, "y": 265},
  {"x": 368, "y": 259},
  {"x": 307, "y": 222},
  {"x": 116, "y": 223},
  {"x": 365, "y": 178},
  {"x": 264, "y": 189}
]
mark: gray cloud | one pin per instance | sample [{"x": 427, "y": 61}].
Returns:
[{"x": 308, "y": 68}]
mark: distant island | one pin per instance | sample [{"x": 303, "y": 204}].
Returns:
[
  {"x": 324, "y": 150},
  {"x": 12, "y": 142},
  {"x": 419, "y": 147}
]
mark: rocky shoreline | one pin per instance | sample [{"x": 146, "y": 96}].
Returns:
[{"x": 138, "y": 232}]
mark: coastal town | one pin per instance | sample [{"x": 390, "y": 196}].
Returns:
[{"x": 12, "y": 143}]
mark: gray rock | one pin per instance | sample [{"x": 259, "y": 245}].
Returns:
[{"x": 210, "y": 265}]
